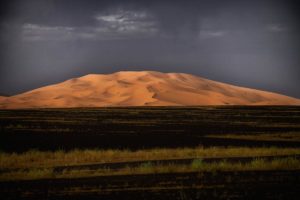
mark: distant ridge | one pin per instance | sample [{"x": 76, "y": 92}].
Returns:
[{"x": 142, "y": 88}]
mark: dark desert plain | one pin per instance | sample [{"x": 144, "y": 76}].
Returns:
[
  {"x": 149, "y": 99},
  {"x": 149, "y": 135}
]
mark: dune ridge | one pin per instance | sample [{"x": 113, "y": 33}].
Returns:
[{"x": 142, "y": 88}]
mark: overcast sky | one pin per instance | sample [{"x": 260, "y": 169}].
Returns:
[{"x": 248, "y": 43}]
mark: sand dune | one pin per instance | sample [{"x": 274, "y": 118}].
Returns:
[
  {"x": 145, "y": 88},
  {"x": 2, "y": 98}
]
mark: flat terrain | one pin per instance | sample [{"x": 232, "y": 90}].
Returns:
[
  {"x": 216, "y": 152},
  {"x": 148, "y": 127},
  {"x": 218, "y": 185}
]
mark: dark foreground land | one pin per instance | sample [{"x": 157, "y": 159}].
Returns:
[
  {"x": 219, "y": 185},
  {"x": 147, "y": 127},
  {"x": 187, "y": 176}
]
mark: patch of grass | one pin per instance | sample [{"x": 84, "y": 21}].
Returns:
[
  {"x": 197, "y": 163},
  {"x": 30, "y": 174},
  {"x": 48, "y": 159},
  {"x": 148, "y": 168},
  {"x": 288, "y": 136}
]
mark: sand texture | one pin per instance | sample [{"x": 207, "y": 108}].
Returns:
[{"x": 142, "y": 88}]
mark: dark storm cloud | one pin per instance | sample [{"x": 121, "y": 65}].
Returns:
[{"x": 248, "y": 43}]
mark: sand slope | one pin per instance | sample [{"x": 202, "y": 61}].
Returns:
[
  {"x": 2, "y": 98},
  {"x": 145, "y": 88}
]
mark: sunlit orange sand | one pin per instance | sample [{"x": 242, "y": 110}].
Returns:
[{"x": 144, "y": 88}]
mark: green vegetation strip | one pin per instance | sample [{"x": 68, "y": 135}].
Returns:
[
  {"x": 148, "y": 168},
  {"x": 288, "y": 136},
  {"x": 38, "y": 159}
]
